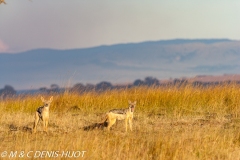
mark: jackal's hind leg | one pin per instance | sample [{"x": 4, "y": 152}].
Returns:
[{"x": 111, "y": 122}]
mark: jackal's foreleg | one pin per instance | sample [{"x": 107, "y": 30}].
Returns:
[
  {"x": 46, "y": 125},
  {"x": 35, "y": 122},
  {"x": 130, "y": 123},
  {"x": 126, "y": 123}
]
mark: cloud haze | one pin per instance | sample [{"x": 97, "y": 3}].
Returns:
[{"x": 63, "y": 24}]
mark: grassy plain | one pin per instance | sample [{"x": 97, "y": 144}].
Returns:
[{"x": 172, "y": 122}]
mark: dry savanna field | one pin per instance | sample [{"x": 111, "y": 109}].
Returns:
[{"x": 172, "y": 122}]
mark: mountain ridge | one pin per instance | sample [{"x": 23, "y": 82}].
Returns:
[{"x": 120, "y": 62}]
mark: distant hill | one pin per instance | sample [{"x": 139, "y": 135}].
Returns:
[{"x": 120, "y": 63}]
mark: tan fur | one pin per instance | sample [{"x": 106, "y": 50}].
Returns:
[
  {"x": 121, "y": 114},
  {"x": 2, "y": 1},
  {"x": 44, "y": 115}
]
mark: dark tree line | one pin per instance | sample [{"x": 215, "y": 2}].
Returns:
[
  {"x": 99, "y": 87},
  {"x": 104, "y": 86}
]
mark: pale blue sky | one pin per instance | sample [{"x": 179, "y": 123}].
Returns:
[{"x": 64, "y": 24}]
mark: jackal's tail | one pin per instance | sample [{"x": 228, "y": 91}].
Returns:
[{"x": 99, "y": 125}]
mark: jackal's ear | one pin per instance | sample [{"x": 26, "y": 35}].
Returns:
[
  {"x": 135, "y": 102},
  {"x": 42, "y": 99},
  {"x": 129, "y": 102},
  {"x": 51, "y": 99}
]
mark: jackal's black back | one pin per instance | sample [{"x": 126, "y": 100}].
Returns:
[
  {"x": 119, "y": 111},
  {"x": 39, "y": 110}
]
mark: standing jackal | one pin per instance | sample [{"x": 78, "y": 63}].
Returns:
[
  {"x": 121, "y": 114},
  {"x": 43, "y": 114}
]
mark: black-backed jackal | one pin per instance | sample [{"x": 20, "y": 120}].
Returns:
[
  {"x": 43, "y": 114},
  {"x": 121, "y": 114}
]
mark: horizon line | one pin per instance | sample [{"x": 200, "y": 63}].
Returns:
[{"x": 126, "y": 43}]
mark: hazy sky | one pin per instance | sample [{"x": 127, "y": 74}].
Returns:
[{"x": 64, "y": 24}]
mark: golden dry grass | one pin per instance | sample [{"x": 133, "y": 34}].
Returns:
[{"x": 169, "y": 123}]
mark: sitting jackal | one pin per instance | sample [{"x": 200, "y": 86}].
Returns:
[
  {"x": 42, "y": 113},
  {"x": 121, "y": 114}
]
